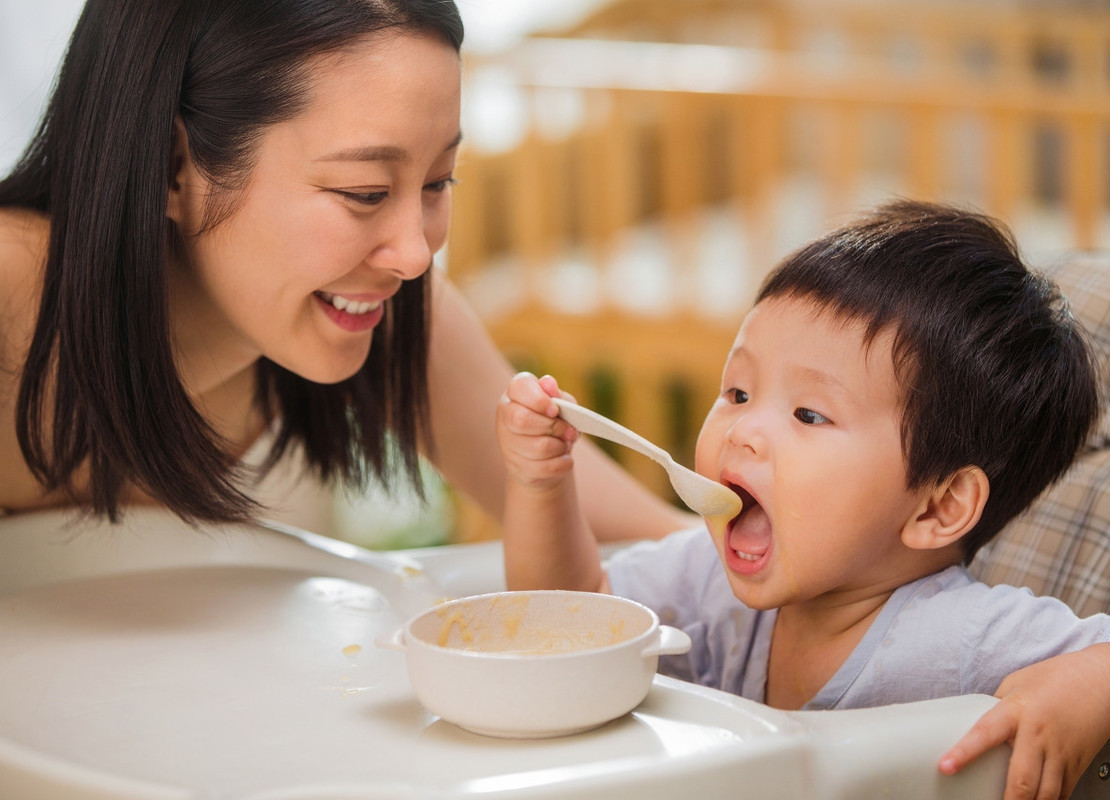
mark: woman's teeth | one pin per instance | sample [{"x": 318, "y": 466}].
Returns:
[{"x": 350, "y": 306}]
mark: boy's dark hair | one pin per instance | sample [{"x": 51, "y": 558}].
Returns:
[
  {"x": 995, "y": 371},
  {"x": 100, "y": 386}
]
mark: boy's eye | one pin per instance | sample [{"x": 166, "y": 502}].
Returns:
[
  {"x": 808, "y": 416},
  {"x": 737, "y": 396}
]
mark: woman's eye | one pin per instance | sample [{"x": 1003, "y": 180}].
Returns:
[
  {"x": 440, "y": 185},
  {"x": 737, "y": 396},
  {"x": 365, "y": 198},
  {"x": 808, "y": 416}
]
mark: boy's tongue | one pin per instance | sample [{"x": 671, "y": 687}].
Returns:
[{"x": 750, "y": 534}]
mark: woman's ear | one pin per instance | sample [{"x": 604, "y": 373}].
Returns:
[
  {"x": 185, "y": 189},
  {"x": 948, "y": 511}
]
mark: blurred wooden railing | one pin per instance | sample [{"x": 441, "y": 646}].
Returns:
[
  {"x": 667, "y": 132},
  {"x": 1054, "y": 40}
]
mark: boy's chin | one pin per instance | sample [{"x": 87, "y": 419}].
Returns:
[
  {"x": 755, "y": 600},
  {"x": 753, "y": 593}
]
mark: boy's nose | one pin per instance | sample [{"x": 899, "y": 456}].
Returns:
[{"x": 746, "y": 433}]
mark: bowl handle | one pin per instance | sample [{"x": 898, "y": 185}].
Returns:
[
  {"x": 671, "y": 642},
  {"x": 394, "y": 640}
]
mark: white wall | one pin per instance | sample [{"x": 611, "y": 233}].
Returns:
[{"x": 33, "y": 36}]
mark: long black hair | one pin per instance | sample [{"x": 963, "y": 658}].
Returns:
[
  {"x": 100, "y": 386},
  {"x": 994, "y": 369}
]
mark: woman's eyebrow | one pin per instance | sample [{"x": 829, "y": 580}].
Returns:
[
  {"x": 379, "y": 152},
  {"x": 368, "y": 153}
]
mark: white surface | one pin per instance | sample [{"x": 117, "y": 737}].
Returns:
[{"x": 159, "y": 661}]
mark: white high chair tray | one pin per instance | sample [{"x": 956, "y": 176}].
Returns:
[{"x": 153, "y": 660}]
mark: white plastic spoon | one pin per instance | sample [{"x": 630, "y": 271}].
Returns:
[{"x": 705, "y": 496}]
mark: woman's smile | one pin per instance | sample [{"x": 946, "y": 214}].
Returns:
[
  {"x": 352, "y": 313},
  {"x": 349, "y": 304}
]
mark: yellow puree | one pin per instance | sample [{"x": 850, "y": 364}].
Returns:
[
  {"x": 511, "y": 618},
  {"x": 718, "y": 524}
]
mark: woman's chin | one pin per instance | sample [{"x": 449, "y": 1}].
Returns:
[{"x": 327, "y": 371}]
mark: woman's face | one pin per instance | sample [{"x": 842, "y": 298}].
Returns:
[{"x": 344, "y": 202}]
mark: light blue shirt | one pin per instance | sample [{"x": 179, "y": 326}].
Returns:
[{"x": 945, "y": 634}]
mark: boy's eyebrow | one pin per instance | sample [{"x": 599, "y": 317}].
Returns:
[
  {"x": 824, "y": 378},
  {"x": 812, "y": 374},
  {"x": 380, "y": 152}
]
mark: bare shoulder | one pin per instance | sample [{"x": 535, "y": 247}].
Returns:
[
  {"x": 23, "y": 243},
  {"x": 24, "y": 237},
  {"x": 22, "y": 230}
]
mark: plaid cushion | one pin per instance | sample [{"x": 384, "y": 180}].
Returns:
[
  {"x": 1061, "y": 545},
  {"x": 1084, "y": 278}
]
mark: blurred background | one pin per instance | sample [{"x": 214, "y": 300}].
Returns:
[{"x": 632, "y": 168}]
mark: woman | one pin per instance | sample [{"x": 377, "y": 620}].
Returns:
[{"x": 224, "y": 227}]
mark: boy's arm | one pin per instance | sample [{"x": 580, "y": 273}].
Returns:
[
  {"x": 1055, "y": 714},
  {"x": 466, "y": 376},
  {"x": 548, "y": 543}
]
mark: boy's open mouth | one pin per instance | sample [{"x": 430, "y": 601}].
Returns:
[{"x": 749, "y": 533}]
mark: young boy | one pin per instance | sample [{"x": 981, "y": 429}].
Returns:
[{"x": 902, "y": 388}]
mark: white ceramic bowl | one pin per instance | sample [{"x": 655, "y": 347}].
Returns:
[{"x": 534, "y": 663}]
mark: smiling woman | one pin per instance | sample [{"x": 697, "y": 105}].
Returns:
[
  {"x": 346, "y": 202},
  {"x": 238, "y": 100},
  {"x": 221, "y": 236}
]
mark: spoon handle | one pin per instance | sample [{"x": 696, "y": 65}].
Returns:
[{"x": 595, "y": 424}]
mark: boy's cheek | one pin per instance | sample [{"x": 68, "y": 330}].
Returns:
[{"x": 707, "y": 450}]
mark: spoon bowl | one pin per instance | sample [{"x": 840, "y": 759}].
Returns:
[{"x": 705, "y": 496}]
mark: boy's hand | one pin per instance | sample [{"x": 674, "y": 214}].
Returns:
[
  {"x": 535, "y": 442},
  {"x": 1055, "y": 714}
]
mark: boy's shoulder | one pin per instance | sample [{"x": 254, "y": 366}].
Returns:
[
  {"x": 948, "y": 633},
  {"x": 980, "y": 605}
]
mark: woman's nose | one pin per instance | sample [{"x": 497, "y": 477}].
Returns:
[{"x": 405, "y": 249}]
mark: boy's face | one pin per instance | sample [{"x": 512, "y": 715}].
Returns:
[{"x": 806, "y": 428}]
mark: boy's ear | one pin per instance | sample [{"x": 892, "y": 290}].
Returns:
[
  {"x": 185, "y": 185},
  {"x": 949, "y": 511}
]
